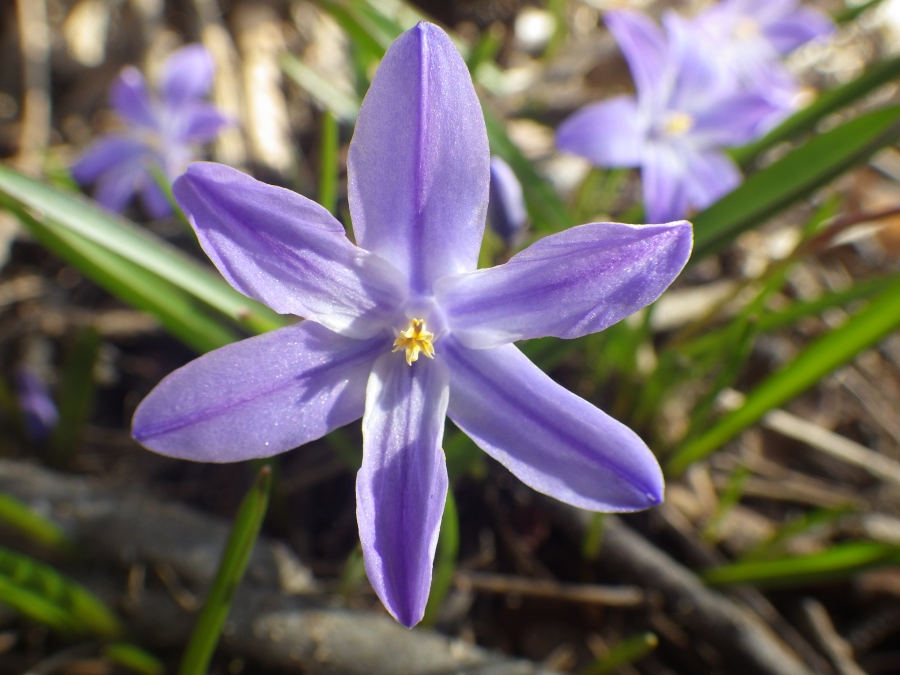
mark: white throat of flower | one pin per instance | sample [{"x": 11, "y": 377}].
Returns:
[
  {"x": 677, "y": 123},
  {"x": 746, "y": 29},
  {"x": 415, "y": 339}
]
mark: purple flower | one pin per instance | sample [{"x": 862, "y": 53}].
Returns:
[
  {"x": 160, "y": 136},
  {"x": 674, "y": 130},
  {"x": 418, "y": 190},
  {"x": 506, "y": 205},
  {"x": 39, "y": 412},
  {"x": 747, "y": 38}
]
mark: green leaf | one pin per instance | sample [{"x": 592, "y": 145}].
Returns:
[
  {"x": 234, "y": 561},
  {"x": 548, "y": 213},
  {"x": 445, "y": 561},
  {"x": 343, "y": 105},
  {"x": 793, "y": 177},
  {"x": 133, "y": 658},
  {"x": 830, "y": 351},
  {"x": 76, "y": 397},
  {"x": 627, "y": 651},
  {"x": 41, "y": 593},
  {"x": 32, "y": 525},
  {"x": 329, "y": 145},
  {"x": 838, "y": 561},
  {"x": 828, "y": 102},
  {"x": 136, "y": 245},
  {"x": 171, "y": 306}
]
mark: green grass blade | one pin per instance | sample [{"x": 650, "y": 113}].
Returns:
[
  {"x": 812, "y": 364},
  {"x": 18, "y": 516},
  {"x": 548, "y": 213},
  {"x": 40, "y": 592},
  {"x": 627, "y": 651},
  {"x": 793, "y": 177},
  {"x": 231, "y": 570},
  {"x": 445, "y": 562},
  {"x": 329, "y": 145},
  {"x": 828, "y": 102},
  {"x": 136, "y": 245},
  {"x": 133, "y": 658},
  {"x": 838, "y": 561},
  {"x": 175, "y": 311},
  {"x": 343, "y": 105},
  {"x": 76, "y": 397}
]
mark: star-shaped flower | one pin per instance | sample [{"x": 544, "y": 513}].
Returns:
[
  {"x": 160, "y": 136},
  {"x": 676, "y": 127},
  {"x": 418, "y": 188}
]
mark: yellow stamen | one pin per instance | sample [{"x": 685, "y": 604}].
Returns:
[
  {"x": 678, "y": 123},
  {"x": 746, "y": 29},
  {"x": 415, "y": 339}
]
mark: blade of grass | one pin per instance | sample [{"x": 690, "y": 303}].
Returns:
[
  {"x": 343, "y": 105},
  {"x": 812, "y": 364},
  {"x": 76, "y": 397},
  {"x": 136, "y": 245},
  {"x": 793, "y": 177},
  {"x": 445, "y": 562},
  {"x": 329, "y": 144},
  {"x": 625, "y": 652},
  {"x": 40, "y": 592},
  {"x": 234, "y": 561},
  {"x": 828, "y": 102},
  {"x": 32, "y": 525},
  {"x": 132, "y": 284},
  {"x": 836, "y": 562},
  {"x": 548, "y": 213},
  {"x": 133, "y": 658}
]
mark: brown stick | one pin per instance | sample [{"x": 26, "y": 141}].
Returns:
[{"x": 613, "y": 596}]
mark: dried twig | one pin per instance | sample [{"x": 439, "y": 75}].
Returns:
[
  {"x": 613, "y": 596},
  {"x": 838, "y": 650},
  {"x": 831, "y": 443},
  {"x": 34, "y": 36}
]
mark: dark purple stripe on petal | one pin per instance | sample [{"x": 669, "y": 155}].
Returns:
[{"x": 554, "y": 441}]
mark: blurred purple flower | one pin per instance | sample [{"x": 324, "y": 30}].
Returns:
[
  {"x": 747, "y": 38},
  {"x": 674, "y": 130},
  {"x": 506, "y": 206},
  {"x": 39, "y": 412},
  {"x": 160, "y": 135},
  {"x": 418, "y": 190}
]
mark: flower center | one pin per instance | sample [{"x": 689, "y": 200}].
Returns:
[
  {"x": 746, "y": 29},
  {"x": 677, "y": 124},
  {"x": 415, "y": 339}
]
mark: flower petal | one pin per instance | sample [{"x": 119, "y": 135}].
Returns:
[
  {"x": 287, "y": 251},
  {"x": 733, "y": 121},
  {"x": 663, "y": 176},
  {"x": 418, "y": 166},
  {"x": 606, "y": 133},
  {"x": 107, "y": 153},
  {"x": 506, "y": 208},
  {"x": 402, "y": 485},
  {"x": 115, "y": 188},
  {"x": 567, "y": 285},
  {"x": 711, "y": 175},
  {"x": 131, "y": 99},
  {"x": 798, "y": 28},
  {"x": 200, "y": 122},
  {"x": 187, "y": 75},
  {"x": 258, "y": 397},
  {"x": 644, "y": 47},
  {"x": 155, "y": 202},
  {"x": 554, "y": 441}
]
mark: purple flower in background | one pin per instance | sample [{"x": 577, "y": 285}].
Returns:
[
  {"x": 160, "y": 136},
  {"x": 674, "y": 130},
  {"x": 747, "y": 38},
  {"x": 39, "y": 412},
  {"x": 506, "y": 205},
  {"x": 418, "y": 189}
]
